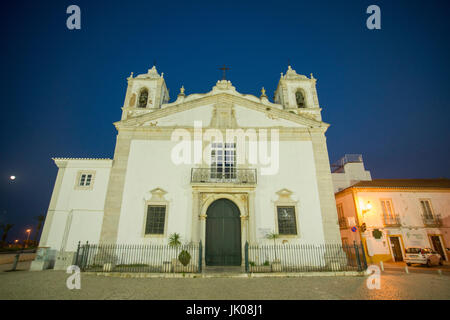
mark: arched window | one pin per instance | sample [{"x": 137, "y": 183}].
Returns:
[
  {"x": 300, "y": 99},
  {"x": 143, "y": 97}
]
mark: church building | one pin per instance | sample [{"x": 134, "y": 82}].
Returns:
[{"x": 221, "y": 167}]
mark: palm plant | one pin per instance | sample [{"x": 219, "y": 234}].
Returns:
[
  {"x": 40, "y": 220},
  {"x": 273, "y": 236},
  {"x": 6, "y": 228},
  {"x": 174, "y": 241}
]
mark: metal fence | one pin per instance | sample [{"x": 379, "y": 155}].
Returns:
[
  {"x": 304, "y": 258},
  {"x": 139, "y": 258}
]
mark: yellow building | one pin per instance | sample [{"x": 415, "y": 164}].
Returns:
[{"x": 391, "y": 215}]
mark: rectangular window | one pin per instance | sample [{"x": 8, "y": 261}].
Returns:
[
  {"x": 287, "y": 223},
  {"x": 85, "y": 180},
  {"x": 426, "y": 209},
  {"x": 223, "y": 161},
  {"x": 156, "y": 216},
  {"x": 388, "y": 213}
]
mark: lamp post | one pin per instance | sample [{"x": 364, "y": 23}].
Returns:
[{"x": 28, "y": 237}]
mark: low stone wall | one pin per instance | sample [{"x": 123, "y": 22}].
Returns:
[{"x": 8, "y": 258}]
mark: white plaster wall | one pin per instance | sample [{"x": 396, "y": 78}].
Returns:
[
  {"x": 298, "y": 174},
  {"x": 353, "y": 173},
  {"x": 245, "y": 117},
  {"x": 249, "y": 118},
  {"x": 340, "y": 181},
  {"x": 150, "y": 166},
  {"x": 407, "y": 206},
  {"x": 187, "y": 118},
  {"x": 85, "y": 207}
]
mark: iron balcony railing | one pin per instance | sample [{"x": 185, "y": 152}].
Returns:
[
  {"x": 432, "y": 221},
  {"x": 338, "y": 166},
  {"x": 392, "y": 221},
  {"x": 223, "y": 175},
  {"x": 304, "y": 257},
  {"x": 343, "y": 223}
]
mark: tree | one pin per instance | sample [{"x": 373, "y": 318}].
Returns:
[
  {"x": 40, "y": 219},
  {"x": 6, "y": 228}
]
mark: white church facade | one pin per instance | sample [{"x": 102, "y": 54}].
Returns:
[{"x": 222, "y": 167}]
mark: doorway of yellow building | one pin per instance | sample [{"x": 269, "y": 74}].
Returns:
[
  {"x": 437, "y": 244},
  {"x": 396, "y": 247}
]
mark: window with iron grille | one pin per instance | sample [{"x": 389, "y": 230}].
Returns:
[
  {"x": 156, "y": 216},
  {"x": 287, "y": 223}
]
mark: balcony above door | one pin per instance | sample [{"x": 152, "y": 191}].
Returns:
[{"x": 235, "y": 176}]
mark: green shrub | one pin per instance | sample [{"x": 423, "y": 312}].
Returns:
[{"x": 184, "y": 257}]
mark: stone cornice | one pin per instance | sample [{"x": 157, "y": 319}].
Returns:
[
  {"x": 83, "y": 162},
  {"x": 165, "y": 133}
]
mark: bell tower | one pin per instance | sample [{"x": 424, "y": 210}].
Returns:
[
  {"x": 145, "y": 93},
  {"x": 297, "y": 94}
]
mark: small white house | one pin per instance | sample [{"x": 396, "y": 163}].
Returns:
[{"x": 220, "y": 167}]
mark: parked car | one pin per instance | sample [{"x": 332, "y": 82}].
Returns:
[{"x": 425, "y": 256}]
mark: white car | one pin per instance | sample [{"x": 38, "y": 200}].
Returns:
[{"x": 425, "y": 256}]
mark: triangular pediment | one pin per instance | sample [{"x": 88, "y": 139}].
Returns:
[{"x": 247, "y": 110}]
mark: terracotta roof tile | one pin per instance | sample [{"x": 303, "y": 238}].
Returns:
[{"x": 405, "y": 183}]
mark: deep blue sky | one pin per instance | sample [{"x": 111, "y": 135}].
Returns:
[{"x": 384, "y": 92}]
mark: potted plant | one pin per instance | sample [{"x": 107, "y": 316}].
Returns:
[
  {"x": 183, "y": 258},
  {"x": 276, "y": 264}
]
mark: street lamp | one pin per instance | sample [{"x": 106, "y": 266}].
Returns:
[
  {"x": 367, "y": 207},
  {"x": 28, "y": 237}
]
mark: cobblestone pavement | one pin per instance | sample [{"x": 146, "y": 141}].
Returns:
[{"x": 51, "y": 284}]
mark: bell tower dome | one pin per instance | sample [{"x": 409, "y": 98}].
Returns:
[
  {"x": 145, "y": 93},
  {"x": 297, "y": 93}
]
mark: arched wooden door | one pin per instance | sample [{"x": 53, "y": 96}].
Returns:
[{"x": 223, "y": 234}]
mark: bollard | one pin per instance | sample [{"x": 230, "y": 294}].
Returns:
[
  {"x": 406, "y": 269},
  {"x": 16, "y": 260},
  {"x": 381, "y": 265}
]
